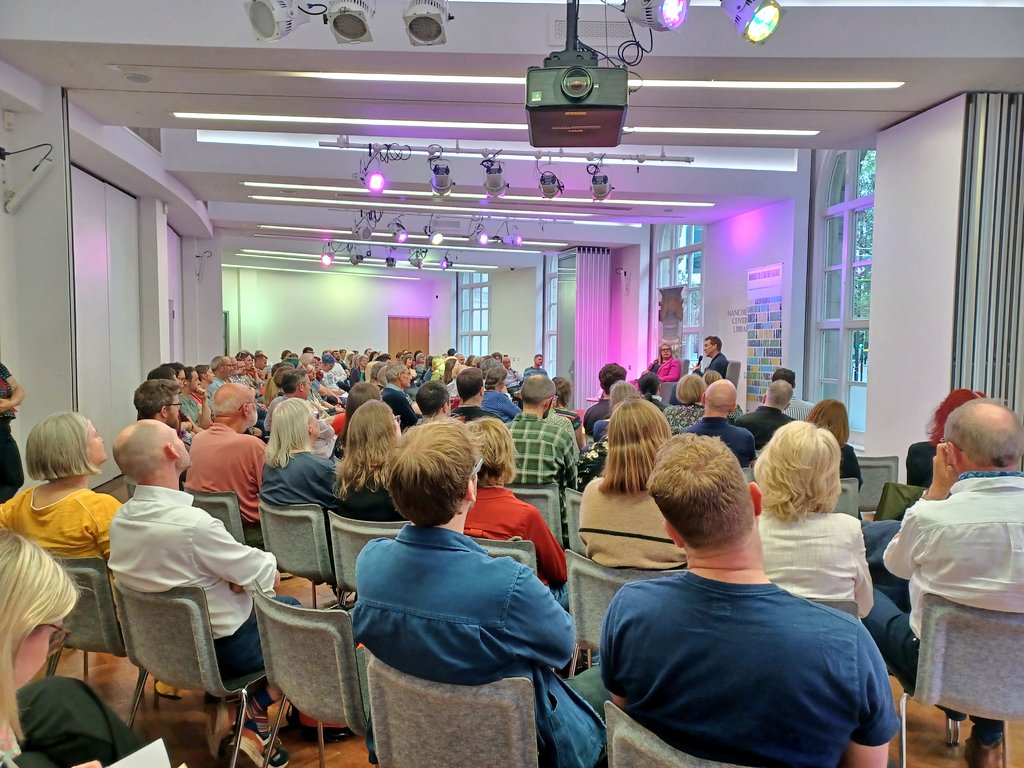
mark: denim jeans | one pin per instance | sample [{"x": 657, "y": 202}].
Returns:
[{"x": 241, "y": 654}]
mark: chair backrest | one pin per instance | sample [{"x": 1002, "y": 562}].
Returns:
[
  {"x": 297, "y": 536},
  {"x": 876, "y": 472},
  {"x": 732, "y": 372},
  {"x": 168, "y": 634},
  {"x": 310, "y": 656},
  {"x": 93, "y": 622},
  {"x": 591, "y": 589},
  {"x": 546, "y": 499},
  {"x": 422, "y": 724},
  {"x": 573, "y": 502},
  {"x": 748, "y": 474},
  {"x": 971, "y": 659},
  {"x": 846, "y": 606},
  {"x": 630, "y": 745},
  {"x": 348, "y": 537},
  {"x": 521, "y": 550},
  {"x": 224, "y": 506},
  {"x": 666, "y": 390},
  {"x": 847, "y": 503}
]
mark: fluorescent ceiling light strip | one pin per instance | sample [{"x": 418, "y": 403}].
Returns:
[
  {"x": 320, "y": 120},
  {"x": 473, "y": 196},
  {"x": 321, "y": 270},
  {"x": 459, "y": 238},
  {"x": 436, "y": 209},
  {"x": 341, "y": 255}
]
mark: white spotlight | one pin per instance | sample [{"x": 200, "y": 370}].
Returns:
[
  {"x": 273, "y": 19},
  {"x": 436, "y": 237},
  {"x": 660, "y": 15},
  {"x": 441, "y": 181},
  {"x": 349, "y": 20},
  {"x": 417, "y": 256},
  {"x": 356, "y": 259},
  {"x": 494, "y": 179},
  {"x": 599, "y": 186},
  {"x": 425, "y": 21},
  {"x": 755, "y": 20},
  {"x": 363, "y": 229},
  {"x": 550, "y": 186}
]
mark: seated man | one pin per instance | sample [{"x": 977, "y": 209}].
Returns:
[
  {"x": 159, "y": 541},
  {"x": 433, "y": 401},
  {"x": 496, "y": 398},
  {"x": 470, "y": 386},
  {"x": 545, "y": 450},
  {"x": 399, "y": 379},
  {"x": 712, "y": 359},
  {"x": 961, "y": 541},
  {"x": 763, "y": 422},
  {"x": 466, "y": 618},
  {"x": 295, "y": 383},
  {"x": 719, "y": 401},
  {"x": 798, "y": 409},
  {"x": 602, "y": 409},
  {"x": 744, "y": 672}
]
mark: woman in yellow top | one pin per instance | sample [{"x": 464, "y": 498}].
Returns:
[{"x": 63, "y": 515}]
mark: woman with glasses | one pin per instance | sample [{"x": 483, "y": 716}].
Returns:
[
  {"x": 55, "y": 721},
  {"x": 370, "y": 436},
  {"x": 667, "y": 366}
]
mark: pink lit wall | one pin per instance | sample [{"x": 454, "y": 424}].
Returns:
[{"x": 627, "y": 329}]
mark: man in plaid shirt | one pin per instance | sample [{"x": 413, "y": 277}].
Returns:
[{"x": 545, "y": 452}]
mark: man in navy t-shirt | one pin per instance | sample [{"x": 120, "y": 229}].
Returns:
[
  {"x": 719, "y": 402},
  {"x": 721, "y": 663}
]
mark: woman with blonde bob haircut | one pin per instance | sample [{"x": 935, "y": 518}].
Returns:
[
  {"x": 292, "y": 473},
  {"x": 50, "y": 716},
  {"x": 370, "y": 437},
  {"x": 63, "y": 515},
  {"x": 808, "y": 549},
  {"x": 620, "y": 524},
  {"x": 498, "y": 514},
  {"x": 689, "y": 392}
]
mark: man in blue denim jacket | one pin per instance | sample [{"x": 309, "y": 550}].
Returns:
[{"x": 433, "y": 604}]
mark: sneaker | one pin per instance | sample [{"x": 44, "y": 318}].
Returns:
[
  {"x": 218, "y": 727},
  {"x": 252, "y": 746}
]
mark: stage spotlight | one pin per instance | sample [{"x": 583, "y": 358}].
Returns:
[
  {"x": 416, "y": 257},
  {"x": 399, "y": 233},
  {"x": 434, "y": 236},
  {"x": 441, "y": 180},
  {"x": 660, "y": 15},
  {"x": 326, "y": 259},
  {"x": 356, "y": 259},
  {"x": 375, "y": 181},
  {"x": 363, "y": 229},
  {"x": 425, "y": 21},
  {"x": 550, "y": 186},
  {"x": 445, "y": 262},
  {"x": 494, "y": 179},
  {"x": 599, "y": 186},
  {"x": 349, "y": 20},
  {"x": 755, "y": 20},
  {"x": 482, "y": 237},
  {"x": 273, "y": 19},
  {"x": 390, "y": 262}
]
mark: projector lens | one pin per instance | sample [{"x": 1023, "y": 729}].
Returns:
[
  {"x": 425, "y": 29},
  {"x": 673, "y": 13},
  {"x": 262, "y": 20},
  {"x": 350, "y": 26},
  {"x": 764, "y": 23}
]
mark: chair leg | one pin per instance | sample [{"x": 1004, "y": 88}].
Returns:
[
  {"x": 269, "y": 751},
  {"x": 51, "y": 665},
  {"x": 85, "y": 663},
  {"x": 572, "y": 662},
  {"x": 903, "y": 730},
  {"x": 140, "y": 687},
  {"x": 240, "y": 721},
  {"x": 952, "y": 732},
  {"x": 320, "y": 743},
  {"x": 314, "y": 595}
]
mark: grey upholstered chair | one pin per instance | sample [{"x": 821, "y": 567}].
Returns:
[
  {"x": 848, "y": 501},
  {"x": 591, "y": 589},
  {"x": 846, "y": 606},
  {"x": 971, "y": 660},
  {"x": 546, "y": 498},
  {"x": 573, "y": 502},
  {"x": 732, "y": 373},
  {"x": 348, "y": 537},
  {"x": 521, "y": 550},
  {"x": 297, "y": 536},
  {"x": 168, "y": 635},
  {"x": 310, "y": 657},
  {"x": 224, "y": 506},
  {"x": 630, "y": 745},
  {"x": 876, "y": 472},
  {"x": 422, "y": 724}
]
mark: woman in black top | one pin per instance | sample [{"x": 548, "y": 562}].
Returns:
[
  {"x": 370, "y": 437},
  {"x": 831, "y": 415},
  {"x": 11, "y": 475},
  {"x": 920, "y": 455}
]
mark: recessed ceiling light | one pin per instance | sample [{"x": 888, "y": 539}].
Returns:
[{"x": 438, "y": 209}]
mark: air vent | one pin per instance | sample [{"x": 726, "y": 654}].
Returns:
[{"x": 591, "y": 32}]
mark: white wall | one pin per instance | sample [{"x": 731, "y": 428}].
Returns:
[
  {"x": 174, "y": 294},
  {"x": 917, "y": 196},
  {"x": 516, "y": 298},
  {"x": 273, "y": 311},
  {"x": 770, "y": 235}
]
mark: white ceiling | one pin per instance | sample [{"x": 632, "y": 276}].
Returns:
[{"x": 199, "y": 56}]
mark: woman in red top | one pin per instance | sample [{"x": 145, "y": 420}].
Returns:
[{"x": 499, "y": 515}]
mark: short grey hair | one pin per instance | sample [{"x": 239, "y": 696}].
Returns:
[
  {"x": 537, "y": 389},
  {"x": 988, "y": 432},
  {"x": 219, "y": 360},
  {"x": 780, "y": 393},
  {"x": 393, "y": 371}
]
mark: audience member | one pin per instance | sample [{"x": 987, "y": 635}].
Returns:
[
  {"x": 798, "y": 409},
  {"x": 961, "y": 541},
  {"x": 719, "y": 402},
  {"x": 224, "y": 458},
  {"x": 831, "y": 414},
  {"x": 620, "y": 393},
  {"x": 159, "y": 399},
  {"x": 808, "y": 550},
  {"x": 537, "y": 369},
  {"x": 690, "y": 394},
  {"x": 433, "y": 401},
  {"x": 54, "y": 721},
  {"x": 666, "y": 367},
  {"x": 164, "y": 372},
  {"x": 545, "y": 452},
  {"x": 607, "y": 376},
  {"x": 496, "y": 398},
  {"x": 361, "y": 392},
  {"x": 159, "y": 541},
  {"x": 63, "y": 515},
  {"x": 295, "y": 384},
  {"x": 470, "y": 385},
  {"x": 362, "y": 486},
  {"x": 292, "y": 473},
  {"x": 563, "y": 407},
  {"x": 194, "y": 404},
  {"x": 767, "y": 418},
  {"x": 921, "y": 455},
  {"x": 712, "y": 359},
  {"x": 223, "y": 368},
  {"x": 513, "y": 379},
  {"x": 12, "y": 476},
  {"x": 649, "y": 386},
  {"x": 680, "y": 654},
  {"x": 620, "y": 524},
  {"x": 498, "y": 514},
  {"x": 399, "y": 379},
  {"x": 335, "y": 376},
  {"x": 456, "y": 370},
  {"x": 466, "y": 618}
]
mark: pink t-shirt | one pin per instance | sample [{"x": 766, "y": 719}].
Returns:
[{"x": 224, "y": 460}]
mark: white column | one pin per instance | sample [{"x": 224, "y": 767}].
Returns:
[
  {"x": 153, "y": 294},
  {"x": 593, "y": 266}
]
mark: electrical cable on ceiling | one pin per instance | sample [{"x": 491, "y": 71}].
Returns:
[{"x": 4, "y": 154}]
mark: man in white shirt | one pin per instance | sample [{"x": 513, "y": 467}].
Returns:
[
  {"x": 961, "y": 541},
  {"x": 159, "y": 541}
]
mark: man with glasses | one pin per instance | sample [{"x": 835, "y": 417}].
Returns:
[
  {"x": 225, "y": 458},
  {"x": 399, "y": 378},
  {"x": 466, "y": 618},
  {"x": 160, "y": 399}
]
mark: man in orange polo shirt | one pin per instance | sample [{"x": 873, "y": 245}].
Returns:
[{"x": 227, "y": 459}]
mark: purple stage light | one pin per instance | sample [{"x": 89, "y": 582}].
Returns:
[
  {"x": 673, "y": 13},
  {"x": 326, "y": 259},
  {"x": 483, "y": 238},
  {"x": 375, "y": 182}
]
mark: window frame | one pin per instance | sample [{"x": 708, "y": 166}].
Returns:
[
  {"x": 672, "y": 242},
  {"x": 473, "y": 313}
]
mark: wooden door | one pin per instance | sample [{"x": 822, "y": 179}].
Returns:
[{"x": 410, "y": 333}]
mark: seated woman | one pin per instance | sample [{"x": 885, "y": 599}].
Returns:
[
  {"x": 563, "y": 407},
  {"x": 54, "y": 722},
  {"x": 63, "y": 515},
  {"x": 292, "y": 473},
  {"x": 808, "y": 549},
  {"x": 831, "y": 415},
  {"x": 498, "y": 514},
  {"x": 620, "y": 524},
  {"x": 649, "y": 386},
  {"x": 667, "y": 366},
  {"x": 361, "y": 489},
  {"x": 361, "y": 393},
  {"x": 689, "y": 392},
  {"x": 620, "y": 392},
  {"x": 920, "y": 455}
]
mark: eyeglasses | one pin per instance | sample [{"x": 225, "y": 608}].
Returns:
[
  {"x": 477, "y": 466},
  {"x": 57, "y": 638},
  {"x": 173, "y": 405}
]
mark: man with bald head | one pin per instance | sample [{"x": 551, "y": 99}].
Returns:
[
  {"x": 961, "y": 541},
  {"x": 719, "y": 401},
  {"x": 227, "y": 459},
  {"x": 763, "y": 422}
]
